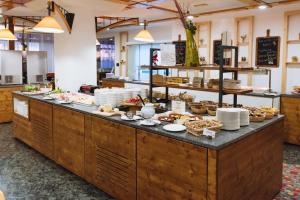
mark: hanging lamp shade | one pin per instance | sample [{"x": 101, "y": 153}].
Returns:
[
  {"x": 48, "y": 25},
  {"x": 6, "y": 34},
  {"x": 144, "y": 36}
]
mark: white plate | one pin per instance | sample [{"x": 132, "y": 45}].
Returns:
[
  {"x": 48, "y": 98},
  {"x": 150, "y": 122},
  {"x": 105, "y": 114},
  {"x": 64, "y": 102},
  {"x": 174, "y": 127},
  {"x": 125, "y": 118}
]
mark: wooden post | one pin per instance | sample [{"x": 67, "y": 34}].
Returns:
[{"x": 11, "y": 27}]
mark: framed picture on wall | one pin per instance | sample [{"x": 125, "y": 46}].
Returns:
[{"x": 268, "y": 51}]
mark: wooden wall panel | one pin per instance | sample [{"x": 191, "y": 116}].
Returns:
[
  {"x": 112, "y": 83},
  {"x": 168, "y": 169},
  {"x": 290, "y": 107},
  {"x": 6, "y": 106},
  {"x": 41, "y": 122},
  {"x": 252, "y": 168},
  {"x": 68, "y": 138},
  {"x": 111, "y": 158}
]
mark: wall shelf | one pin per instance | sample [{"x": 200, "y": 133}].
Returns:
[
  {"x": 222, "y": 69},
  {"x": 293, "y": 64},
  {"x": 206, "y": 67},
  {"x": 206, "y": 89},
  {"x": 293, "y": 41}
]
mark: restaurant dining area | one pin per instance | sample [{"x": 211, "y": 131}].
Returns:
[{"x": 149, "y": 100}]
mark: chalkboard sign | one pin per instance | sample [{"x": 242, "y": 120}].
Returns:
[
  {"x": 217, "y": 53},
  {"x": 267, "y": 51},
  {"x": 180, "y": 52}
]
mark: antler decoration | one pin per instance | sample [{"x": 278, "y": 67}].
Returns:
[{"x": 181, "y": 14}]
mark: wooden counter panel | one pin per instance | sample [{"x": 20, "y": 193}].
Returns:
[
  {"x": 68, "y": 138},
  {"x": 41, "y": 122},
  {"x": 169, "y": 169},
  {"x": 112, "y": 83},
  {"x": 6, "y": 103},
  {"x": 252, "y": 168},
  {"x": 111, "y": 156},
  {"x": 290, "y": 107},
  {"x": 22, "y": 129}
]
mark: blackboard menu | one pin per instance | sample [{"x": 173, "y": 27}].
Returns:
[
  {"x": 267, "y": 51},
  {"x": 217, "y": 53},
  {"x": 180, "y": 52}
]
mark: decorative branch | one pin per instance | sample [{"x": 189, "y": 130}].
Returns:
[{"x": 181, "y": 14}]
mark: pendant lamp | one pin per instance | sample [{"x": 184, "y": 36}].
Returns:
[
  {"x": 48, "y": 24},
  {"x": 144, "y": 35},
  {"x": 6, "y": 34}
]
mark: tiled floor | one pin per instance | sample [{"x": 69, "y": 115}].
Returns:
[{"x": 26, "y": 175}]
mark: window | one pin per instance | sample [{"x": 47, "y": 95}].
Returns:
[
  {"x": 106, "y": 55},
  {"x": 139, "y": 56},
  {"x": 35, "y": 42}
]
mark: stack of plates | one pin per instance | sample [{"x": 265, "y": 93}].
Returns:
[
  {"x": 144, "y": 93},
  {"x": 229, "y": 117},
  {"x": 245, "y": 119}
]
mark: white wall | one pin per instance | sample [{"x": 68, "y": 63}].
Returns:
[
  {"x": 272, "y": 19},
  {"x": 75, "y": 53}
]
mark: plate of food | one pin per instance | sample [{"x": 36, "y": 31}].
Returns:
[
  {"x": 196, "y": 128},
  {"x": 174, "y": 127}
]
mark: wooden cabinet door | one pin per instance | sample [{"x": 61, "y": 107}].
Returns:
[
  {"x": 68, "y": 138},
  {"x": 6, "y": 106},
  {"x": 111, "y": 158},
  {"x": 41, "y": 123},
  {"x": 168, "y": 169},
  {"x": 290, "y": 107},
  {"x": 22, "y": 129}
]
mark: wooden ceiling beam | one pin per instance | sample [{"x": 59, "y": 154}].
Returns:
[{"x": 126, "y": 22}]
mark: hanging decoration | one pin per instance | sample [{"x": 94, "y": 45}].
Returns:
[{"x": 191, "y": 54}]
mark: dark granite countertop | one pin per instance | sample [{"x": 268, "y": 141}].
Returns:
[{"x": 223, "y": 138}]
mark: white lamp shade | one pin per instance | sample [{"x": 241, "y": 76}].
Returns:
[
  {"x": 48, "y": 25},
  {"x": 144, "y": 36},
  {"x": 6, "y": 34}
]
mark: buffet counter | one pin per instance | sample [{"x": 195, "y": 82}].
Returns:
[
  {"x": 6, "y": 107},
  {"x": 290, "y": 107},
  {"x": 130, "y": 161}
]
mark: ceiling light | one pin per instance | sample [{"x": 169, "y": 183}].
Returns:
[
  {"x": 144, "y": 35},
  {"x": 48, "y": 24},
  {"x": 141, "y": 24},
  {"x": 262, "y": 7},
  {"x": 6, "y": 34},
  {"x": 189, "y": 16}
]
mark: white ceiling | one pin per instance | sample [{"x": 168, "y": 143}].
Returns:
[{"x": 109, "y": 7}]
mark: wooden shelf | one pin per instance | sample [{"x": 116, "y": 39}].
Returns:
[
  {"x": 202, "y": 46},
  {"x": 205, "y": 89},
  {"x": 206, "y": 67},
  {"x": 292, "y": 64},
  {"x": 293, "y": 41},
  {"x": 243, "y": 44}
]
